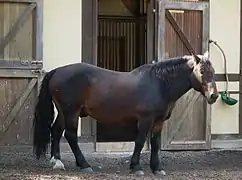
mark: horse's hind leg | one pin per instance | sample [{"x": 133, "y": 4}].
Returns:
[
  {"x": 56, "y": 133},
  {"x": 71, "y": 125},
  {"x": 143, "y": 129}
]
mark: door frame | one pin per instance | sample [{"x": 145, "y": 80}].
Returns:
[
  {"x": 157, "y": 12},
  {"x": 118, "y": 146},
  {"x": 107, "y": 146},
  {"x": 240, "y": 74}
]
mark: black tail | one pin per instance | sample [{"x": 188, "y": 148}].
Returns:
[{"x": 43, "y": 117}]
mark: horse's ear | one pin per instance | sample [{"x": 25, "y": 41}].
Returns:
[{"x": 206, "y": 55}]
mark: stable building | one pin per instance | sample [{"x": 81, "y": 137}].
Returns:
[{"x": 39, "y": 35}]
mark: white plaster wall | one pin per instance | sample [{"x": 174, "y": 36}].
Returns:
[
  {"x": 225, "y": 29},
  {"x": 62, "y": 34},
  {"x": 225, "y": 118}
]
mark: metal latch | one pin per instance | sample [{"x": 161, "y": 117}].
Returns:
[
  {"x": 37, "y": 62},
  {"x": 24, "y": 62},
  {"x": 29, "y": 62},
  {"x": 38, "y": 71}
]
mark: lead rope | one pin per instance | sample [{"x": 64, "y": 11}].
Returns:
[{"x": 225, "y": 64}]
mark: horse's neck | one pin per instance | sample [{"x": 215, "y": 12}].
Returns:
[
  {"x": 178, "y": 88},
  {"x": 178, "y": 85}
]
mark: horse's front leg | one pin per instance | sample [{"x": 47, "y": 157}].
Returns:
[
  {"x": 143, "y": 129},
  {"x": 155, "y": 142}
]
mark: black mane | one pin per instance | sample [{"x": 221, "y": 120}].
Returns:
[
  {"x": 165, "y": 69},
  {"x": 170, "y": 67}
]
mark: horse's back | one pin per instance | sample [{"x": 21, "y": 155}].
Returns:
[
  {"x": 80, "y": 77},
  {"x": 66, "y": 73}
]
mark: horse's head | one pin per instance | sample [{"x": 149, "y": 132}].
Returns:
[{"x": 203, "y": 78}]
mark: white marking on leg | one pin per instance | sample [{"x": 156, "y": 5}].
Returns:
[
  {"x": 163, "y": 172},
  {"x": 52, "y": 161},
  {"x": 59, "y": 165}
]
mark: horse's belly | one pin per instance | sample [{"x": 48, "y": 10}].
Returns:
[
  {"x": 109, "y": 116},
  {"x": 112, "y": 107}
]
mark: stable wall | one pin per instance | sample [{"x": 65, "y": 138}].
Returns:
[
  {"x": 62, "y": 45},
  {"x": 225, "y": 29},
  {"x": 62, "y": 34}
]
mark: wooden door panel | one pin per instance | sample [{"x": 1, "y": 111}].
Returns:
[
  {"x": 20, "y": 68},
  {"x": 191, "y": 24},
  {"x": 18, "y": 97},
  {"x": 20, "y": 34},
  {"x": 188, "y": 127}
]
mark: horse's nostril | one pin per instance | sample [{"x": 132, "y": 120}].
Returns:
[{"x": 214, "y": 96}]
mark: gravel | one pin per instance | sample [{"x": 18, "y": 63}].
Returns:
[{"x": 214, "y": 164}]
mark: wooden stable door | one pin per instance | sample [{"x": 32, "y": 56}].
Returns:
[
  {"x": 189, "y": 125},
  {"x": 20, "y": 68}
]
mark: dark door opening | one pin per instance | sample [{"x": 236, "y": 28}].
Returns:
[
  {"x": 114, "y": 133},
  {"x": 121, "y": 47}
]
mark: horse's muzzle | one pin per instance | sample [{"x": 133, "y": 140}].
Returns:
[{"x": 212, "y": 98}]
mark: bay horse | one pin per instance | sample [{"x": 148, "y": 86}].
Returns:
[{"x": 146, "y": 95}]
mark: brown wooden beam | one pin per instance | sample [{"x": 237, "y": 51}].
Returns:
[
  {"x": 226, "y": 136},
  {"x": 20, "y": 1},
  {"x": 240, "y": 80},
  {"x": 20, "y": 64},
  {"x": 39, "y": 31},
  {"x": 232, "y": 77},
  {"x": 16, "y": 73},
  {"x": 89, "y": 55},
  {"x": 181, "y": 5}
]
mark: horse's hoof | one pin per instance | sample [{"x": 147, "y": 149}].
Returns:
[
  {"x": 59, "y": 165},
  {"x": 87, "y": 170},
  {"x": 139, "y": 173},
  {"x": 160, "y": 173}
]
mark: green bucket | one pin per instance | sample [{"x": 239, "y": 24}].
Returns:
[{"x": 227, "y": 99}]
